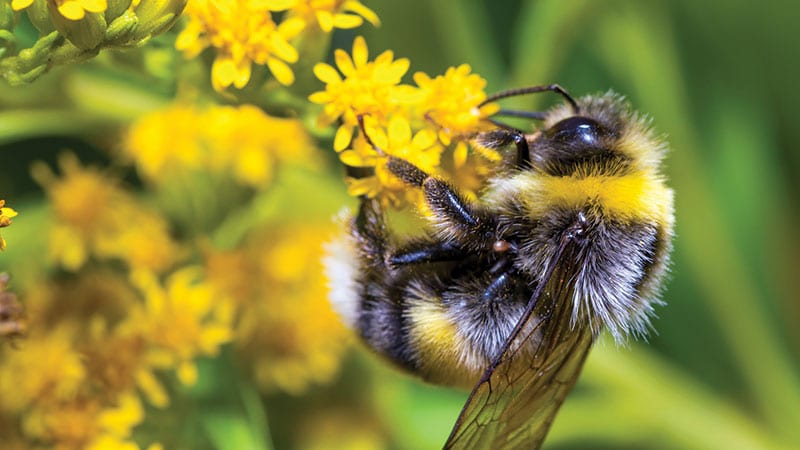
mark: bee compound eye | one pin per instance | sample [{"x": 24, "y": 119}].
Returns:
[{"x": 577, "y": 129}]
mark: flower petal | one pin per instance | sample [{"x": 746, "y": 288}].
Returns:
[
  {"x": 281, "y": 71},
  {"x": 347, "y": 21},
  {"x": 325, "y": 20},
  {"x": 326, "y": 73},
  {"x": 358, "y": 8},
  {"x": 344, "y": 63},
  {"x": 71, "y": 9},
  {"x": 343, "y": 137},
  {"x": 399, "y": 132},
  {"x": 360, "y": 51}
]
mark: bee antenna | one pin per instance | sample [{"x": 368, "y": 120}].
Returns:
[
  {"x": 533, "y": 90},
  {"x": 363, "y": 129}
]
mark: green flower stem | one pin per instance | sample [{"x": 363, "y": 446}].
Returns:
[
  {"x": 26, "y": 123},
  {"x": 724, "y": 279}
]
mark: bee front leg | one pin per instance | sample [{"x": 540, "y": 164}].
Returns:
[
  {"x": 457, "y": 218},
  {"x": 501, "y": 137}
]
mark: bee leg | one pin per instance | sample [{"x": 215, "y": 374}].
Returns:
[
  {"x": 501, "y": 137},
  {"x": 425, "y": 252},
  {"x": 497, "y": 287},
  {"x": 369, "y": 229},
  {"x": 444, "y": 201}
]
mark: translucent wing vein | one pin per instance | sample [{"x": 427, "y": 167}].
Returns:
[{"x": 515, "y": 402}]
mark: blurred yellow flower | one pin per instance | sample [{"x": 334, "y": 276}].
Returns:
[
  {"x": 286, "y": 330},
  {"x": 242, "y": 141},
  {"x": 330, "y": 14},
  {"x": 95, "y": 216},
  {"x": 182, "y": 319},
  {"x": 452, "y": 103},
  {"x": 49, "y": 369},
  {"x": 353, "y": 430},
  {"x": 420, "y": 149},
  {"x": 5, "y": 220},
  {"x": 368, "y": 88},
  {"x": 85, "y": 423},
  {"x": 242, "y": 32}
]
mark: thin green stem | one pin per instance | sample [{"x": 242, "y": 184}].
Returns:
[{"x": 26, "y": 123}]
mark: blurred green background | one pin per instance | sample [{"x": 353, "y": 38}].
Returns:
[{"x": 718, "y": 79}]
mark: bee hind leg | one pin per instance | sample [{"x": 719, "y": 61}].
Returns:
[{"x": 370, "y": 231}]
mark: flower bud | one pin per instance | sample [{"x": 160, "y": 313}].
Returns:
[
  {"x": 7, "y": 16},
  {"x": 156, "y": 16},
  {"x": 39, "y": 15},
  {"x": 85, "y": 33},
  {"x": 120, "y": 30}
]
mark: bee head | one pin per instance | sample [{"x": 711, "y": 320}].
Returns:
[{"x": 582, "y": 144}]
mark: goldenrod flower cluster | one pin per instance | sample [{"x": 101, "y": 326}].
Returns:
[
  {"x": 415, "y": 123},
  {"x": 95, "y": 217},
  {"x": 246, "y": 32},
  {"x": 241, "y": 142}
]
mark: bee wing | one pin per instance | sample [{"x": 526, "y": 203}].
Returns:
[{"x": 516, "y": 400}]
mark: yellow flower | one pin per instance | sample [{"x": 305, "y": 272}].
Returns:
[
  {"x": 420, "y": 149},
  {"x": 48, "y": 369},
  {"x": 330, "y": 14},
  {"x": 69, "y": 9},
  {"x": 86, "y": 423},
  {"x": 368, "y": 88},
  {"x": 286, "y": 330},
  {"x": 248, "y": 142},
  {"x": 77, "y": 9},
  {"x": 5, "y": 220},
  {"x": 452, "y": 102},
  {"x": 94, "y": 216},
  {"x": 242, "y": 32},
  {"x": 181, "y": 320},
  {"x": 242, "y": 141},
  {"x": 165, "y": 139}
]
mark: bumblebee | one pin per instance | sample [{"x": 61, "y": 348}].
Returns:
[{"x": 506, "y": 295}]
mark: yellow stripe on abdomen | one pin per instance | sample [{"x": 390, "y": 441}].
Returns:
[{"x": 442, "y": 354}]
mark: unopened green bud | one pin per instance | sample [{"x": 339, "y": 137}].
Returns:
[
  {"x": 119, "y": 31},
  {"x": 156, "y": 16},
  {"x": 85, "y": 33},
  {"x": 7, "y": 16},
  {"x": 116, "y": 8},
  {"x": 39, "y": 15}
]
